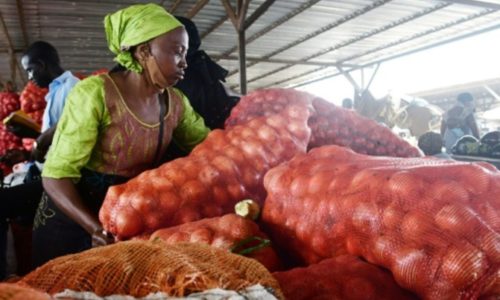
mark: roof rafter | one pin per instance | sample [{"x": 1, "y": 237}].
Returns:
[
  {"x": 257, "y": 13},
  {"x": 275, "y": 24},
  {"x": 282, "y": 61},
  {"x": 196, "y": 8},
  {"x": 342, "y": 20},
  {"x": 22, "y": 22},
  {"x": 214, "y": 26},
  {"x": 401, "y": 41},
  {"x": 174, "y": 6},
  {"x": 13, "y": 61},
  {"x": 361, "y": 37},
  {"x": 483, "y": 4}
]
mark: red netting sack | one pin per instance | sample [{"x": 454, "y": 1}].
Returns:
[
  {"x": 13, "y": 291},
  {"x": 344, "y": 277},
  {"x": 229, "y": 232},
  {"x": 138, "y": 268},
  {"x": 432, "y": 222},
  {"x": 8, "y": 140},
  {"x": 226, "y": 168},
  {"x": 9, "y": 102},
  {"x": 33, "y": 98},
  {"x": 330, "y": 124}
]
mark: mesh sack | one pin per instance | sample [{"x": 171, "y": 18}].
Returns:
[
  {"x": 229, "y": 232},
  {"x": 330, "y": 124},
  {"x": 432, "y": 222},
  {"x": 226, "y": 168},
  {"x": 8, "y": 140},
  {"x": 344, "y": 277},
  {"x": 138, "y": 268},
  {"x": 9, "y": 102},
  {"x": 32, "y": 98},
  {"x": 13, "y": 291}
]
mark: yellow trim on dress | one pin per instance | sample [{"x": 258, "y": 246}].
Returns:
[{"x": 133, "y": 114}]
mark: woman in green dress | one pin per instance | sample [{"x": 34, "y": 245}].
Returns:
[{"x": 113, "y": 127}]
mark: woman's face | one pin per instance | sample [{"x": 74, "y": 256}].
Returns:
[{"x": 169, "y": 51}]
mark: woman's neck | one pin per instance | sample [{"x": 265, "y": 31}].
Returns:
[{"x": 138, "y": 85}]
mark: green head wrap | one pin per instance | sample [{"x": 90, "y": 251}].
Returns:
[{"x": 135, "y": 25}]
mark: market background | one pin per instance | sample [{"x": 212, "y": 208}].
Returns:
[{"x": 430, "y": 49}]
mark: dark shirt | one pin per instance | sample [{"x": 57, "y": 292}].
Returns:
[{"x": 203, "y": 86}]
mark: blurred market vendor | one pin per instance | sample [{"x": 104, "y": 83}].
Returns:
[
  {"x": 42, "y": 64},
  {"x": 459, "y": 121},
  {"x": 115, "y": 126},
  {"x": 19, "y": 201}
]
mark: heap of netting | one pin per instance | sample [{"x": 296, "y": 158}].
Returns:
[{"x": 138, "y": 268}]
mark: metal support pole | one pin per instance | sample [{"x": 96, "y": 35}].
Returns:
[{"x": 243, "y": 61}]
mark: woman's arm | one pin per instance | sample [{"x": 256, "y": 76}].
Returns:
[
  {"x": 66, "y": 197},
  {"x": 191, "y": 129}
]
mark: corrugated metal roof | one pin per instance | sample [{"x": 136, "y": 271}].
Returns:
[{"x": 292, "y": 43}]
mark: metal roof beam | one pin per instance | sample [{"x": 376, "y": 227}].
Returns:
[
  {"x": 22, "y": 22},
  {"x": 196, "y": 8},
  {"x": 214, "y": 26},
  {"x": 476, "y": 3},
  {"x": 13, "y": 61},
  {"x": 257, "y": 13},
  {"x": 174, "y": 6},
  {"x": 491, "y": 92},
  {"x": 230, "y": 13},
  {"x": 419, "y": 35},
  {"x": 343, "y": 20},
  {"x": 359, "y": 38},
  {"x": 238, "y": 19},
  {"x": 275, "y": 24},
  {"x": 283, "y": 61},
  {"x": 495, "y": 27},
  {"x": 242, "y": 14}
]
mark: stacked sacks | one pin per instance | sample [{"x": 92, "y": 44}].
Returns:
[
  {"x": 433, "y": 223},
  {"x": 138, "y": 268},
  {"x": 227, "y": 167},
  {"x": 33, "y": 101},
  {"x": 230, "y": 232},
  {"x": 344, "y": 277},
  {"x": 266, "y": 128},
  {"x": 330, "y": 124},
  {"x": 9, "y": 102}
]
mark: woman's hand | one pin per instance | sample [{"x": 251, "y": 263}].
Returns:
[{"x": 102, "y": 238}]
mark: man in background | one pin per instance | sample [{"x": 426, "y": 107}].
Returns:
[
  {"x": 347, "y": 103},
  {"x": 459, "y": 121},
  {"x": 42, "y": 64}
]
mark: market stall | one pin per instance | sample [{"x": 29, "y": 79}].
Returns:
[{"x": 296, "y": 198}]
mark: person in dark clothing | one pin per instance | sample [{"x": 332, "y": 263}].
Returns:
[
  {"x": 18, "y": 203},
  {"x": 459, "y": 121},
  {"x": 347, "y": 103},
  {"x": 202, "y": 82}
]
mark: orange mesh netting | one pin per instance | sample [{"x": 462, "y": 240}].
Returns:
[
  {"x": 344, "y": 277},
  {"x": 230, "y": 232},
  {"x": 434, "y": 223},
  {"x": 13, "y": 291},
  {"x": 137, "y": 268},
  {"x": 266, "y": 128},
  {"x": 226, "y": 168},
  {"x": 330, "y": 124}
]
